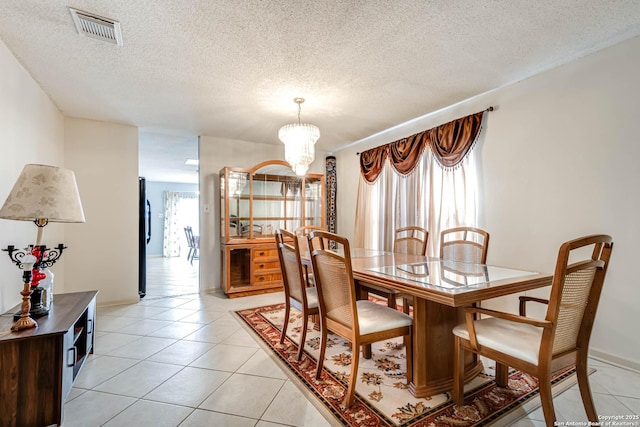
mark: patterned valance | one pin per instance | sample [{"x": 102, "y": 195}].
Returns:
[{"x": 449, "y": 143}]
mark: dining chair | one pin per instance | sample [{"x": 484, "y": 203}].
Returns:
[
  {"x": 358, "y": 321},
  {"x": 543, "y": 347},
  {"x": 407, "y": 240},
  {"x": 467, "y": 244},
  {"x": 301, "y": 234},
  {"x": 193, "y": 243},
  {"x": 296, "y": 292},
  {"x": 464, "y": 244},
  {"x": 411, "y": 240}
]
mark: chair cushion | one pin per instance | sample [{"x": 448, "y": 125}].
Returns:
[
  {"x": 515, "y": 339},
  {"x": 374, "y": 317},
  {"x": 312, "y": 297}
]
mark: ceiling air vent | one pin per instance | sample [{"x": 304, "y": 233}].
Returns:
[{"x": 97, "y": 27}]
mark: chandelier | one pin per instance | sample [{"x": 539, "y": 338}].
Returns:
[
  {"x": 299, "y": 143},
  {"x": 237, "y": 182}
]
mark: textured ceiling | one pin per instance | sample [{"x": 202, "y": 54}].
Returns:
[
  {"x": 232, "y": 68},
  {"x": 162, "y": 155}
]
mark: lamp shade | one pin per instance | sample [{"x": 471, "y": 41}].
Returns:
[{"x": 44, "y": 192}]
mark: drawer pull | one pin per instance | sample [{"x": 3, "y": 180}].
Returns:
[
  {"x": 261, "y": 266},
  {"x": 74, "y": 351},
  {"x": 261, "y": 253},
  {"x": 261, "y": 278}
]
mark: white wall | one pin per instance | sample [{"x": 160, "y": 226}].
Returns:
[
  {"x": 103, "y": 252},
  {"x": 216, "y": 153},
  {"x": 31, "y": 131},
  {"x": 559, "y": 159}
]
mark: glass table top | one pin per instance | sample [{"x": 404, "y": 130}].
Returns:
[
  {"x": 364, "y": 253},
  {"x": 450, "y": 274}
]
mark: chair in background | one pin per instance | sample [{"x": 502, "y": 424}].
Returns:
[
  {"x": 194, "y": 244},
  {"x": 466, "y": 244},
  {"x": 301, "y": 234},
  {"x": 542, "y": 347},
  {"x": 408, "y": 240},
  {"x": 359, "y": 321},
  {"x": 411, "y": 240},
  {"x": 296, "y": 292}
]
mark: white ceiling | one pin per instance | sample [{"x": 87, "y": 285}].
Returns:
[
  {"x": 231, "y": 68},
  {"x": 162, "y": 157}
]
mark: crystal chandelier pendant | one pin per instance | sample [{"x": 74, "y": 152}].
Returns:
[{"x": 299, "y": 143}]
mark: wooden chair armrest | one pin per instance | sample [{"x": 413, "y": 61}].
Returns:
[
  {"x": 470, "y": 321},
  {"x": 508, "y": 316},
  {"x": 525, "y": 299}
]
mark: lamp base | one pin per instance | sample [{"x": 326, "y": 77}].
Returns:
[
  {"x": 37, "y": 307},
  {"x": 24, "y": 323}
]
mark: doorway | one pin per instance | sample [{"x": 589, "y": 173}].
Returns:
[{"x": 166, "y": 161}]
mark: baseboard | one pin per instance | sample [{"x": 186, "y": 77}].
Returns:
[
  {"x": 119, "y": 302},
  {"x": 213, "y": 291},
  {"x": 612, "y": 359}
]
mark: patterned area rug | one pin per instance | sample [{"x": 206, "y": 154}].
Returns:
[{"x": 382, "y": 398}]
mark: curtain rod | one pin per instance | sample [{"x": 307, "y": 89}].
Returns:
[{"x": 489, "y": 108}]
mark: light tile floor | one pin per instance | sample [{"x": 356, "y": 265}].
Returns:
[{"x": 183, "y": 360}]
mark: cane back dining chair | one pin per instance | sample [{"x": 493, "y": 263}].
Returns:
[
  {"x": 411, "y": 240},
  {"x": 407, "y": 240},
  {"x": 358, "y": 321},
  {"x": 296, "y": 292},
  {"x": 465, "y": 244},
  {"x": 301, "y": 234},
  {"x": 542, "y": 347}
]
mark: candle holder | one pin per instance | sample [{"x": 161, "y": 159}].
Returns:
[
  {"x": 42, "y": 257},
  {"x": 24, "y": 260}
]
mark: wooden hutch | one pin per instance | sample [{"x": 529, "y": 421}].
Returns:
[{"x": 254, "y": 203}]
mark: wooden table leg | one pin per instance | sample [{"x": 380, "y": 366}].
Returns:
[
  {"x": 362, "y": 294},
  {"x": 433, "y": 348}
]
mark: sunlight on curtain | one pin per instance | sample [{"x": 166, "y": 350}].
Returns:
[
  {"x": 171, "y": 245},
  {"x": 180, "y": 210},
  {"x": 431, "y": 197}
]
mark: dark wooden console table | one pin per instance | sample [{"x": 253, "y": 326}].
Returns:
[{"x": 38, "y": 366}]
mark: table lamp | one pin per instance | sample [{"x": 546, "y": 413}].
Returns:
[{"x": 41, "y": 194}]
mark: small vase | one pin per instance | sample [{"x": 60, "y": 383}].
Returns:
[{"x": 47, "y": 289}]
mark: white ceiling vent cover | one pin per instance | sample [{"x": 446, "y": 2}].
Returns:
[{"x": 97, "y": 27}]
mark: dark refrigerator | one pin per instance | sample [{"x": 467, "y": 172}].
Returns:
[{"x": 144, "y": 236}]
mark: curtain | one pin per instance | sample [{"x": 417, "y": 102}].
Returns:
[
  {"x": 180, "y": 210},
  {"x": 432, "y": 188},
  {"x": 171, "y": 244},
  {"x": 375, "y": 217}
]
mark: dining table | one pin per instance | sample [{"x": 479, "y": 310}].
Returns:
[{"x": 441, "y": 289}]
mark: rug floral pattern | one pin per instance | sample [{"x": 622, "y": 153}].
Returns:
[{"x": 381, "y": 390}]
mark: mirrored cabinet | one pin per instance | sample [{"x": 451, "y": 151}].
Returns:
[{"x": 254, "y": 203}]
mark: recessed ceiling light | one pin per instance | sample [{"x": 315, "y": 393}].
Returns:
[{"x": 191, "y": 162}]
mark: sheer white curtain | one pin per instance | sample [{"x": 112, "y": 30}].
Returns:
[
  {"x": 180, "y": 210},
  {"x": 171, "y": 243},
  {"x": 430, "y": 196}
]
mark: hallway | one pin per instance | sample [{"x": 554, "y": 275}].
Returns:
[{"x": 171, "y": 277}]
